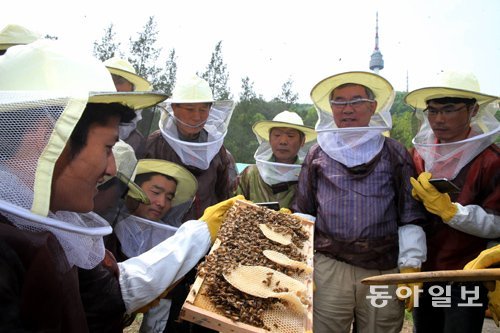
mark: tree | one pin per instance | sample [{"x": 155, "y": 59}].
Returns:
[
  {"x": 247, "y": 92},
  {"x": 216, "y": 75},
  {"x": 144, "y": 53},
  {"x": 404, "y": 123},
  {"x": 168, "y": 76},
  {"x": 107, "y": 48},
  {"x": 240, "y": 139},
  {"x": 288, "y": 96}
]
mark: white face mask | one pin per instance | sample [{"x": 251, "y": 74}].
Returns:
[
  {"x": 447, "y": 159},
  {"x": 198, "y": 154}
]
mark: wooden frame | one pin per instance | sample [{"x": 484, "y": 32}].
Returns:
[{"x": 212, "y": 320}]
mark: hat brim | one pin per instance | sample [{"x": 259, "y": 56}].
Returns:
[
  {"x": 187, "y": 185},
  {"x": 263, "y": 127},
  {"x": 320, "y": 93},
  {"x": 6, "y": 46},
  {"x": 419, "y": 97},
  {"x": 189, "y": 101},
  {"x": 134, "y": 100},
  {"x": 134, "y": 190},
  {"x": 140, "y": 84}
]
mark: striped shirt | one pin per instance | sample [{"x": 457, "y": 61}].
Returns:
[{"x": 364, "y": 205}]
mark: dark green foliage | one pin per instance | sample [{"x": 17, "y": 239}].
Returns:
[
  {"x": 288, "y": 96},
  {"x": 168, "y": 75},
  {"x": 108, "y": 47},
  {"x": 144, "y": 53},
  {"x": 247, "y": 92},
  {"x": 216, "y": 74}
]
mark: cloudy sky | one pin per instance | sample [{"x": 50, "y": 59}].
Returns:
[{"x": 271, "y": 41}]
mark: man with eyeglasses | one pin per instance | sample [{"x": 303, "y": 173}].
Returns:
[
  {"x": 356, "y": 182},
  {"x": 456, "y": 141}
]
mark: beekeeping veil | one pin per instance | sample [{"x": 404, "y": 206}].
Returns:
[
  {"x": 110, "y": 199},
  {"x": 273, "y": 172},
  {"x": 197, "y": 154},
  {"x": 44, "y": 89},
  {"x": 121, "y": 67},
  {"x": 447, "y": 159},
  {"x": 354, "y": 145},
  {"x": 137, "y": 235}
]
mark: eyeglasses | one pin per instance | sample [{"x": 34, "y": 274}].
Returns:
[
  {"x": 445, "y": 111},
  {"x": 354, "y": 103}
]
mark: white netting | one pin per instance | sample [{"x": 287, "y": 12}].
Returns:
[
  {"x": 353, "y": 146},
  {"x": 35, "y": 127},
  {"x": 198, "y": 154},
  {"x": 274, "y": 172},
  {"x": 138, "y": 235},
  {"x": 447, "y": 159}
]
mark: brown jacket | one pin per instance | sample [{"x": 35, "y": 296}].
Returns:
[{"x": 39, "y": 292}]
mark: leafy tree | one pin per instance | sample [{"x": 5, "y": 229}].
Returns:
[
  {"x": 288, "y": 96},
  {"x": 144, "y": 53},
  {"x": 401, "y": 129},
  {"x": 107, "y": 47},
  {"x": 309, "y": 115},
  {"x": 216, "y": 74},
  {"x": 404, "y": 123},
  {"x": 399, "y": 106},
  {"x": 240, "y": 139},
  {"x": 168, "y": 76},
  {"x": 247, "y": 92}
]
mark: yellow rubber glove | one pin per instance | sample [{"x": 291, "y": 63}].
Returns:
[
  {"x": 214, "y": 215},
  {"x": 285, "y": 211},
  {"x": 485, "y": 259},
  {"x": 434, "y": 201},
  {"x": 494, "y": 303},
  {"x": 415, "y": 287}
]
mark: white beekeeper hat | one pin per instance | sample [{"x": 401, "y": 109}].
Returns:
[
  {"x": 284, "y": 119},
  {"x": 14, "y": 34},
  {"x": 451, "y": 84},
  {"x": 123, "y": 68},
  {"x": 192, "y": 90}
]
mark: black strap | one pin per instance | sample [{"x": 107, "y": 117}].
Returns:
[{"x": 282, "y": 187}]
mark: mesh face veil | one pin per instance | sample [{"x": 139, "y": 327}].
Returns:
[
  {"x": 35, "y": 128},
  {"x": 353, "y": 146},
  {"x": 138, "y": 235},
  {"x": 273, "y": 172},
  {"x": 44, "y": 89},
  {"x": 198, "y": 154},
  {"x": 447, "y": 159}
]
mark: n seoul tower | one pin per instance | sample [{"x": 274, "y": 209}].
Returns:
[{"x": 376, "y": 61}]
